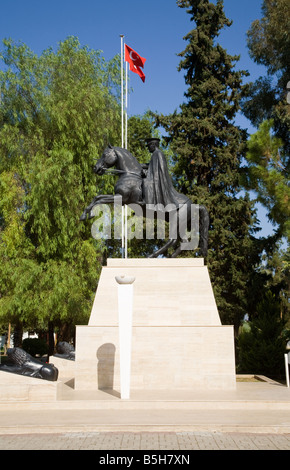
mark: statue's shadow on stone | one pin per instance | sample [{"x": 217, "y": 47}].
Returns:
[{"x": 106, "y": 368}]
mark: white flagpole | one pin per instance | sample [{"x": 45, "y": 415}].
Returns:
[
  {"x": 126, "y": 145},
  {"x": 124, "y": 212},
  {"x": 122, "y": 90},
  {"x": 126, "y": 109}
]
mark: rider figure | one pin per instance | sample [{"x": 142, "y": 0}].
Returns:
[{"x": 157, "y": 186}]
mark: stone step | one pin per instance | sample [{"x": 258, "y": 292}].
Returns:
[
  {"x": 132, "y": 405},
  {"x": 256, "y": 396}
]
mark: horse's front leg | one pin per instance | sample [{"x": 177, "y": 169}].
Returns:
[{"x": 101, "y": 199}]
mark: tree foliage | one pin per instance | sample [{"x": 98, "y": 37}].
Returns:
[
  {"x": 57, "y": 113},
  {"x": 261, "y": 347},
  {"x": 266, "y": 174},
  {"x": 267, "y": 108}
]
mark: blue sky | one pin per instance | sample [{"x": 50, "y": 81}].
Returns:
[{"x": 154, "y": 28}]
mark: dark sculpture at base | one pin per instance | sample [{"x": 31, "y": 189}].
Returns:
[
  {"x": 22, "y": 363},
  {"x": 149, "y": 185},
  {"x": 65, "y": 351}
]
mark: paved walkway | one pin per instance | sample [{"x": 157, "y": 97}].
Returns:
[
  {"x": 256, "y": 416},
  {"x": 169, "y": 443}
]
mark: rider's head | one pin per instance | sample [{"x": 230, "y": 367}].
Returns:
[{"x": 152, "y": 144}]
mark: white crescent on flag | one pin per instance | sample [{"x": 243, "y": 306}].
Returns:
[
  {"x": 131, "y": 56},
  {"x": 135, "y": 60}
]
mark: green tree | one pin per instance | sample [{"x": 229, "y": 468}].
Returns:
[
  {"x": 267, "y": 175},
  {"x": 57, "y": 113},
  {"x": 261, "y": 347},
  {"x": 207, "y": 152},
  {"x": 267, "y": 108}
]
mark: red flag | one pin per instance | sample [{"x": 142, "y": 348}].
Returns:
[{"x": 136, "y": 62}]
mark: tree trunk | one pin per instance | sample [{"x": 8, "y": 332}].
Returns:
[
  {"x": 17, "y": 335},
  {"x": 50, "y": 339}
]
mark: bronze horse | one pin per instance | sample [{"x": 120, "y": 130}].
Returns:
[{"x": 130, "y": 186}]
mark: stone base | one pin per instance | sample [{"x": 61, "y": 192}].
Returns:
[
  {"x": 20, "y": 388},
  {"x": 178, "y": 342},
  {"x": 163, "y": 358},
  {"x": 167, "y": 292},
  {"x": 65, "y": 367}
]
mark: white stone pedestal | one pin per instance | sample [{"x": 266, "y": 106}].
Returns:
[{"x": 178, "y": 341}]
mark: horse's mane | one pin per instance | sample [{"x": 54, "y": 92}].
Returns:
[{"x": 123, "y": 152}]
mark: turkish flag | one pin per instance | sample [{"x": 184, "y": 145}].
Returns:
[{"x": 136, "y": 62}]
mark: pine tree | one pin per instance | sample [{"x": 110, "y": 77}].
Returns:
[
  {"x": 208, "y": 148},
  {"x": 268, "y": 108},
  {"x": 269, "y": 43}
]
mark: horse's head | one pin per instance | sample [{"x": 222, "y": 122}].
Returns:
[{"x": 107, "y": 160}]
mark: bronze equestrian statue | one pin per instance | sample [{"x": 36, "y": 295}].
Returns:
[{"x": 148, "y": 184}]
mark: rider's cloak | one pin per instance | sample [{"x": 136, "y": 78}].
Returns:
[{"x": 157, "y": 186}]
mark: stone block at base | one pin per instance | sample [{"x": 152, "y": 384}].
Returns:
[
  {"x": 163, "y": 358},
  {"x": 65, "y": 367},
  {"x": 20, "y": 388}
]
